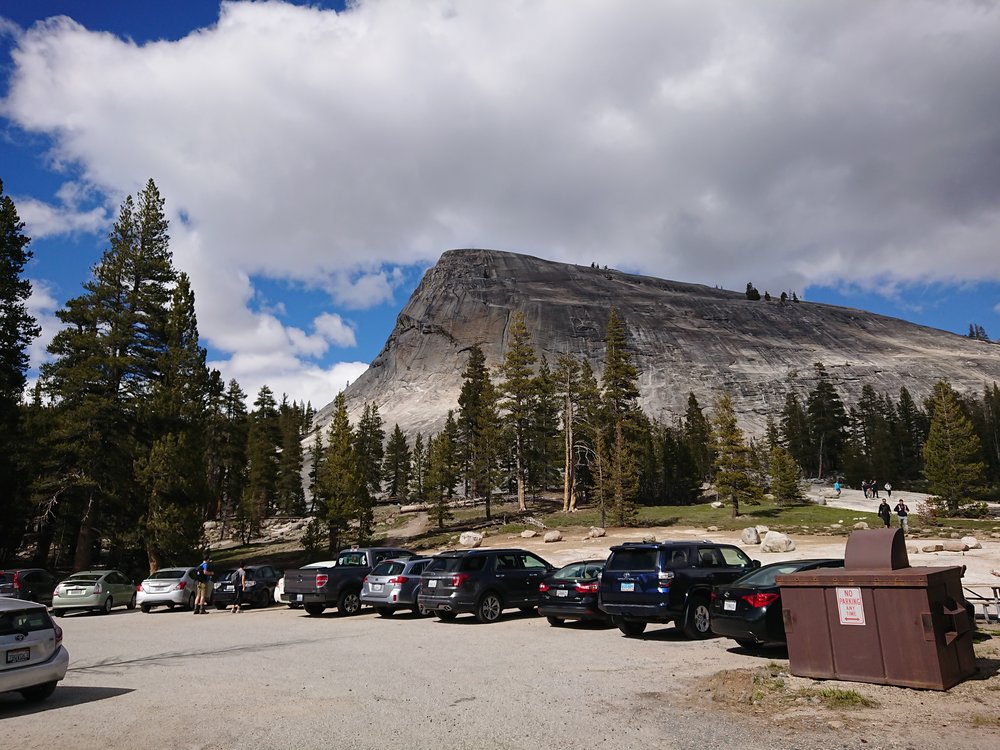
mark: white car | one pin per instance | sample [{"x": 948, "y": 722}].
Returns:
[
  {"x": 172, "y": 587},
  {"x": 279, "y": 590},
  {"x": 32, "y": 657}
]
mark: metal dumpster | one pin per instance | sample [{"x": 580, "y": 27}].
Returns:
[{"x": 877, "y": 619}]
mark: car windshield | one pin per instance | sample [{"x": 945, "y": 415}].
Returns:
[
  {"x": 765, "y": 576},
  {"x": 582, "y": 571},
  {"x": 24, "y": 621},
  {"x": 167, "y": 574},
  {"x": 388, "y": 568},
  {"x": 83, "y": 578},
  {"x": 633, "y": 559}
]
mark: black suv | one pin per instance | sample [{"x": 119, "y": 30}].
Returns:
[
  {"x": 667, "y": 582},
  {"x": 482, "y": 581}
]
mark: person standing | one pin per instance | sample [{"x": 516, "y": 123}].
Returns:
[
  {"x": 884, "y": 513},
  {"x": 902, "y": 511},
  {"x": 836, "y": 487},
  {"x": 239, "y": 583},
  {"x": 203, "y": 577},
  {"x": 874, "y": 485},
  {"x": 888, "y": 489},
  {"x": 864, "y": 487}
]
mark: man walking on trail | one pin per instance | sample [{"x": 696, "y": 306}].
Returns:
[
  {"x": 884, "y": 513},
  {"x": 902, "y": 511},
  {"x": 203, "y": 576}
]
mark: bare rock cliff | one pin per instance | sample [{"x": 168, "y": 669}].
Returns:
[{"x": 684, "y": 338}]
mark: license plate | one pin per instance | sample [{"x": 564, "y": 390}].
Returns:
[
  {"x": 729, "y": 605},
  {"x": 431, "y": 584},
  {"x": 376, "y": 587},
  {"x": 75, "y": 592},
  {"x": 628, "y": 586},
  {"x": 562, "y": 592},
  {"x": 298, "y": 597},
  {"x": 18, "y": 654}
]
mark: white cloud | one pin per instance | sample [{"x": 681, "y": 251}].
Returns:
[
  {"x": 334, "y": 329},
  {"x": 46, "y": 220},
  {"x": 790, "y": 143},
  {"x": 42, "y": 305}
]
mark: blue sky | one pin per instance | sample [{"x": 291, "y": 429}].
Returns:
[{"x": 315, "y": 160}]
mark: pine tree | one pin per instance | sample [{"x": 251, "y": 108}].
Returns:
[
  {"x": 339, "y": 483},
  {"x": 952, "y": 454},
  {"x": 543, "y": 431},
  {"x": 795, "y": 430},
  {"x": 623, "y": 478},
  {"x": 827, "y": 421},
  {"x": 370, "y": 447},
  {"x": 733, "y": 470},
  {"x": 567, "y": 382},
  {"x": 439, "y": 476},
  {"x": 620, "y": 379},
  {"x": 784, "y": 476},
  {"x": 105, "y": 361},
  {"x": 698, "y": 437},
  {"x": 17, "y": 330},
  {"x": 517, "y": 387},
  {"x": 911, "y": 431},
  {"x": 263, "y": 443},
  {"x": 418, "y": 470},
  {"x": 290, "y": 495},
  {"x": 478, "y": 433},
  {"x": 396, "y": 466}
]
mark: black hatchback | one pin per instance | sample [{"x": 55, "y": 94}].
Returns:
[
  {"x": 30, "y": 584},
  {"x": 260, "y": 583},
  {"x": 748, "y": 610},
  {"x": 571, "y": 593},
  {"x": 482, "y": 581}
]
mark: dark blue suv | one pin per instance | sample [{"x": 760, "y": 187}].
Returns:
[{"x": 668, "y": 582}]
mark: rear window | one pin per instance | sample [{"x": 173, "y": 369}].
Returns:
[
  {"x": 353, "y": 558},
  {"x": 83, "y": 578},
  {"x": 456, "y": 564},
  {"x": 633, "y": 559},
  {"x": 581, "y": 571},
  {"x": 24, "y": 621},
  {"x": 166, "y": 574},
  {"x": 388, "y": 568}
]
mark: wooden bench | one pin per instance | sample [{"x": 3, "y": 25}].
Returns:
[{"x": 975, "y": 594}]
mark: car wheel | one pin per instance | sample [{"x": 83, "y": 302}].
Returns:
[
  {"x": 349, "y": 603},
  {"x": 555, "y": 621},
  {"x": 631, "y": 628},
  {"x": 189, "y": 606},
  {"x": 746, "y": 642},
  {"x": 131, "y": 602},
  {"x": 108, "y": 604},
  {"x": 39, "y": 692},
  {"x": 315, "y": 609},
  {"x": 384, "y": 611},
  {"x": 444, "y": 614},
  {"x": 57, "y": 613},
  {"x": 698, "y": 619},
  {"x": 145, "y": 608},
  {"x": 489, "y": 608}
]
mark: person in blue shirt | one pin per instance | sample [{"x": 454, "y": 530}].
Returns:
[
  {"x": 203, "y": 576},
  {"x": 836, "y": 488}
]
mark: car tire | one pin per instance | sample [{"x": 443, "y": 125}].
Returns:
[
  {"x": 746, "y": 643},
  {"x": 131, "y": 602},
  {"x": 383, "y": 611},
  {"x": 489, "y": 608},
  {"x": 189, "y": 604},
  {"x": 220, "y": 606},
  {"x": 698, "y": 618},
  {"x": 57, "y": 613},
  {"x": 109, "y": 604},
  {"x": 349, "y": 603},
  {"x": 555, "y": 621},
  {"x": 38, "y": 692},
  {"x": 315, "y": 609},
  {"x": 631, "y": 628},
  {"x": 145, "y": 608},
  {"x": 446, "y": 615}
]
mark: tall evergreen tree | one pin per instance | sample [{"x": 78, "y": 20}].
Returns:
[
  {"x": 827, "y": 423},
  {"x": 795, "y": 430},
  {"x": 698, "y": 436},
  {"x": 440, "y": 478},
  {"x": 911, "y": 431},
  {"x": 418, "y": 476},
  {"x": 623, "y": 478},
  {"x": 339, "y": 483},
  {"x": 517, "y": 387},
  {"x": 952, "y": 454},
  {"x": 396, "y": 466},
  {"x": 370, "y": 447},
  {"x": 567, "y": 388},
  {"x": 290, "y": 495},
  {"x": 478, "y": 430},
  {"x": 543, "y": 431},
  {"x": 263, "y": 444},
  {"x": 784, "y": 476},
  {"x": 733, "y": 470},
  {"x": 17, "y": 330}
]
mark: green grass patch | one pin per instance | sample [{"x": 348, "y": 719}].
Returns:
[
  {"x": 983, "y": 720},
  {"x": 832, "y": 697}
]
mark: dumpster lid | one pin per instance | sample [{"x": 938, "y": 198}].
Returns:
[{"x": 876, "y": 549}]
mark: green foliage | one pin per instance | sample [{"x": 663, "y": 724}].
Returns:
[
  {"x": 339, "y": 485},
  {"x": 952, "y": 454},
  {"x": 784, "y": 476},
  {"x": 827, "y": 423},
  {"x": 314, "y": 537},
  {"x": 734, "y": 477},
  {"x": 698, "y": 438},
  {"x": 517, "y": 388},
  {"x": 623, "y": 479},
  {"x": 397, "y": 466},
  {"x": 752, "y": 293},
  {"x": 440, "y": 480},
  {"x": 478, "y": 434},
  {"x": 292, "y": 427}
]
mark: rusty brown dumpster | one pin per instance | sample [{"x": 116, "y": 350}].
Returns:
[{"x": 877, "y": 619}]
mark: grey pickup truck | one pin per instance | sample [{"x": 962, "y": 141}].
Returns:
[{"x": 340, "y": 586}]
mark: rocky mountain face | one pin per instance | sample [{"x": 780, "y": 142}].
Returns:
[{"x": 683, "y": 337}]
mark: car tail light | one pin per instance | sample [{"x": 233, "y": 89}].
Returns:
[
  {"x": 665, "y": 577},
  {"x": 321, "y": 579},
  {"x": 759, "y": 599},
  {"x": 586, "y": 588},
  {"x": 58, "y": 631},
  {"x": 543, "y": 587},
  {"x": 55, "y": 592},
  {"x": 97, "y": 588},
  {"x": 364, "y": 580},
  {"x": 17, "y": 581},
  {"x": 713, "y": 596},
  {"x": 139, "y": 587},
  {"x": 182, "y": 585},
  {"x": 458, "y": 579},
  {"x": 398, "y": 580}
]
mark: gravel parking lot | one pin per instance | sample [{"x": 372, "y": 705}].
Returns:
[{"x": 276, "y": 678}]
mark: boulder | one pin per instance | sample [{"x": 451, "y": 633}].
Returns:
[
  {"x": 470, "y": 539},
  {"x": 648, "y": 539},
  {"x": 718, "y": 504},
  {"x": 913, "y": 549},
  {"x": 820, "y": 501},
  {"x": 552, "y": 536},
  {"x": 955, "y": 545},
  {"x": 750, "y": 536},
  {"x": 775, "y": 541},
  {"x": 936, "y": 547},
  {"x": 762, "y": 529},
  {"x": 954, "y": 535},
  {"x": 528, "y": 534},
  {"x": 596, "y": 532},
  {"x": 971, "y": 542},
  {"x": 712, "y": 528},
  {"x": 860, "y": 525}
]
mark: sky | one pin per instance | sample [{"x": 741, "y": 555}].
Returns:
[{"x": 317, "y": 158}]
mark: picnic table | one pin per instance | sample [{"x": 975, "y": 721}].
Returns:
[{"x": 975, "y": 594}]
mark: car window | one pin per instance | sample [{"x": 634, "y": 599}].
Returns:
[
  {"x": 633, "y": 559},
  {"x": 508, "y": 561},
  {"x": 443, "y": 565},
  {"x": 83, "y": 578},
  {"x": 574, "y": 570},
  {"x": 532, "y": 563},
  {"x": 353, "y": 558},
  {"x": 765, "y": 576},
  {"x": 734, "y": 558},
  {"x": 7, "y": 577},
  {"x": 709, "y": 557},
  {"x": 388, "y": 568},
  {"x": 24, "y": 621},
  {"x": 166, "y": 574},
  {"x": 418, "y": 568},
  {"x": 677, "y": 558},
  {"x": 473, "y": 564}
]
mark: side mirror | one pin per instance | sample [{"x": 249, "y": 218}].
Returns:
[{"x": 755, "y": 563}]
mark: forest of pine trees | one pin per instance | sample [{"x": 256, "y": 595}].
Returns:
[{"x": 128, "y": 442}]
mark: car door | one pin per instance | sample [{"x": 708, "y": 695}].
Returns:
[
  {"x": 511, "y": 578},
  {"x": 735, "y": 563},
  {"x": 122, "y": 588},
  {"x": 535, "y": 569}
]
